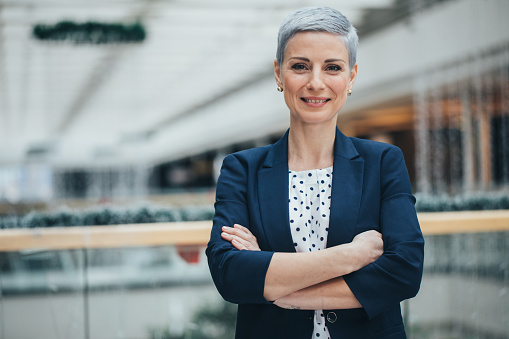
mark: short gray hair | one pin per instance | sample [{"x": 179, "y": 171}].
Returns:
[{"x": 318, "y": 19}]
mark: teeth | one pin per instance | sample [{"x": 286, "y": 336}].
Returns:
[{"x": 315, "y": 101}]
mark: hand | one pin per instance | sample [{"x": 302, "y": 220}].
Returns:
[
  {"x": 369, "y": 247},
  {"x": 240, "y": 237},
  {"x": 282, "y": 304}
]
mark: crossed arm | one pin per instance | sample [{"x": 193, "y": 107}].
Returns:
[{"x": 312, "y": 280}]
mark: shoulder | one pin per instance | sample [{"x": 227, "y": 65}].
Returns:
[
  {"x": 252, "y": 155},
  {"x": 246, "y": 159},
  {"x": 238, "y": 169},
  {"x": 369, "y": 149}
]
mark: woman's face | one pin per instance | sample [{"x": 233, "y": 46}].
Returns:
[{"x": 315, "y": 76}]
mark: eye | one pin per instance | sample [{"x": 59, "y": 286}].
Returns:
[
  {"x": 333, "y": 68},
  {"x": 299, "y": 67}
]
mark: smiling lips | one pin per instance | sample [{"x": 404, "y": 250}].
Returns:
[{"x": 315, "y": 102}]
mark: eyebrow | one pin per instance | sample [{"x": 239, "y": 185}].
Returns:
[
  {"x": 306, "y": 59},
  {"x": 334, "y": 60}
]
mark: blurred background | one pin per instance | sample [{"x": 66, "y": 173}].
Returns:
[{"x": 121, "y": 111}]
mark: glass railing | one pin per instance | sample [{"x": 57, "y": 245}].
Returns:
[{"x": 152, "y": 281}]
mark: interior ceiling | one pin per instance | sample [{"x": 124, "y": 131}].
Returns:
[{"x": 201, "y": 80}]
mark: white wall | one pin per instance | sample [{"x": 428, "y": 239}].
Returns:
[{"x": 431, "y": 42}]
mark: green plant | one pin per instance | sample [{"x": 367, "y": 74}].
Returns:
[
  {"x": 90, "y": 32},
  {"x": 108, "y": 216},
  {"x": 466, "y": 202}
]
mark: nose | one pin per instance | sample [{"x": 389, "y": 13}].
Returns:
[{"x": 316, "y": 81}]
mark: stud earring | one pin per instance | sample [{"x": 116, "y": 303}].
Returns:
[
  {"x": 279, "y": 89},
  {"x": 349, "y": 92}
]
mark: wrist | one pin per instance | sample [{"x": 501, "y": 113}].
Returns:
[
  {"x": 349, "y": 259},
  {"x": 353, "y": 257}
]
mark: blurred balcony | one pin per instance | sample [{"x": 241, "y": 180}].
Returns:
[{"x": 131, "y": 281}]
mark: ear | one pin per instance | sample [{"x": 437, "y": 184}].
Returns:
[
  {"x": 353, "y": 76},
  {"x": 277, "y": 74}
]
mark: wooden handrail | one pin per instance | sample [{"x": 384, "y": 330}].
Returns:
[
  {"x": 156, "y": 234},
  {"x": 464, "y": 222},
  {"x": 198, "y": 232}
]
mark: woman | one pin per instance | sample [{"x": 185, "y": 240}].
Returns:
[{"x": 298, "y": 226}]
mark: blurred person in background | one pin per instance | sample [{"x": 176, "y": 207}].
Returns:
[{"x": 316, "y": 236}]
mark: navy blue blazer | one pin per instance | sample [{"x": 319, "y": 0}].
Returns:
[{"x": 370, "y": 190}]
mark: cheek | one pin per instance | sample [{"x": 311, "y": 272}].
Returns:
[
  {"x": 341, "y": 83},
  {"x": 340, "y": 87},
  {"x": 294, "y": 81},
  {"x": 291, "y": 99}
]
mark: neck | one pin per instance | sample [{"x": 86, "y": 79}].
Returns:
[{"x": 310, "y": 146}]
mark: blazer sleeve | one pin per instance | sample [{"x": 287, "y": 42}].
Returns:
[
  {"x": 239, "y": 276},
  {"x": 397, "y": 274}
]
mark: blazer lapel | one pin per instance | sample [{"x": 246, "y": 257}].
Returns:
[
  {"x": 346, "y": 195},
  {"x": 346, "y": 191},
  {"x": 273, "y": 197}
]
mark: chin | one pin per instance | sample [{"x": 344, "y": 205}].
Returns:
[{"x": 310, "y": 120}]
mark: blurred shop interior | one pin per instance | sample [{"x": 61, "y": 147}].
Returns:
[
  {"x": 136, "y": 102},
  {"x": 99, "y": 121}
]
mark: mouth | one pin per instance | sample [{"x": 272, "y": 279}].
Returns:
[{"x": 315, "y": 100}]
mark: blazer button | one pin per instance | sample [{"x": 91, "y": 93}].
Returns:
[{"x": 332, "y": 317}]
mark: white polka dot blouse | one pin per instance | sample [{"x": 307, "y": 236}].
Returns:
[{"x": 309, "y": 204}]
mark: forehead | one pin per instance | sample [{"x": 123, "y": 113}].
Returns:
[{"x": 317, "y": 44}]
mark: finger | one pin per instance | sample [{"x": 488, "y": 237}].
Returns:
[
  {"x": 241, "y": 234},
  {"x": 238, "y": 245},
  {"x": 234, "y": 231},
  {"x": 228, "y": 229},
  {"x": 242, "y": 245},
  {"x": 244, "y": 240},
  {"x": 242, "y": 228},
  {"x": 247, "y": 234},
  {"x": 226, "y": 236},
  {"x": 247, "y": 245},
  {"x": 231, "y": 238}
]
